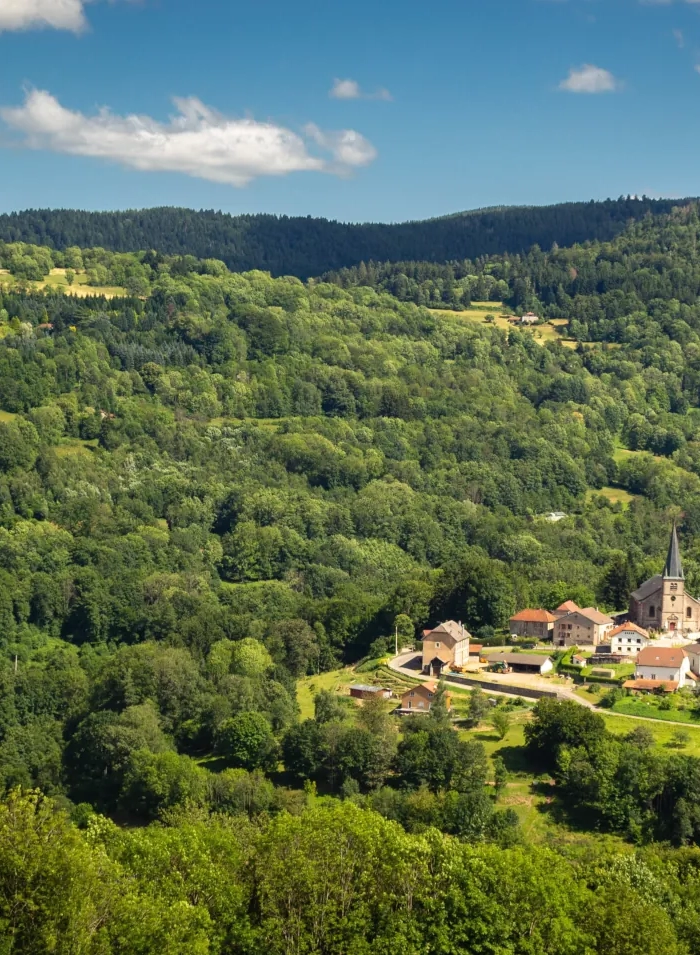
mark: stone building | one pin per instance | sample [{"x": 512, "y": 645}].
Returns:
[
  {"x": 661, "y": 603},
  {"x": 445, "y": 646}
]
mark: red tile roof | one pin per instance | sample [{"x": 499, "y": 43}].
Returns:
[
  {"x": 534, "y": 616},
  {"x": 627, "y": 626},
  {"x": 567, "y": 606},
  {"x": 668, "y": 685},
  {"x": 661, "y": 657}
]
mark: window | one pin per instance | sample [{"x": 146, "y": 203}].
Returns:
[
  {"x": 437, "y": 646},
  {"x": 410, "y": 705},
  {"x": 674, "y": 586},
  {"x": 412, "y": 693},
  {"x": 653, "y": 676},
  {"x": 568, "y": 626},
  {"x": 652, "y": 611},
  {"x": 689, "y": 612}
]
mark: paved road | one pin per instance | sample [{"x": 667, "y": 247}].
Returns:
[{"x": 409, "y": 664}]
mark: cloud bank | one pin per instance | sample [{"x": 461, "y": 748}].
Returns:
[
  {"x": 590, "y": 79},
  {"x": 351, "y": 89},
  {"x": 198, "y": 141}
]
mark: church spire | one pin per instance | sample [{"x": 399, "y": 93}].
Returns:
[{"x": 674, "y": 567}]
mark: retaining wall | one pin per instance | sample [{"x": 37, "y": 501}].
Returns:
[{"x": 526, "y": 691}]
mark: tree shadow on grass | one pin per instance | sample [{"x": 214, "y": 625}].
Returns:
[{"x": 516, "y": 758}]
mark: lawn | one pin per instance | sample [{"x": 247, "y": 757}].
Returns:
[
  {"x": 6, "y": 416},
  {"x": 649, "y": 707},
  {"x": 616, "y": 495}
]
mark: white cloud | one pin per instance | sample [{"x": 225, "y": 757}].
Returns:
[
  {"x": 679, "y": 38},
  {"x": 350, "y": 89},
  {"x": 348, "y": 148},
  {"x": 198, "y": 141},
  {"x": 59, "y": 14},
  {"x": 35, "y": 14},
  {"x": 589, "y": 79}
]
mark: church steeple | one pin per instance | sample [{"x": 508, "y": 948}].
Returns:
[{"x": 674, "y": 567}]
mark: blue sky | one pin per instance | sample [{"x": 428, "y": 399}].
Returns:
[{"x": 451, "y": 105}]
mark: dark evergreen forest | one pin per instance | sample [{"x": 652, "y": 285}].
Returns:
[{"x": 306, "y": 247}]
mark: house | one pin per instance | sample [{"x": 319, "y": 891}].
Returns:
[
  {"x": 445, "y": 646},
  {"x": 567, "y": 607},
  {"x": 582, "y": 628},
  {"x": 523, "y": 662},
  {"x": 661, "y": 603},
  {"x": 660, "y": 665},
  {"x": 361, "y": 691},
  {"x": 420, "y": 698},
  {"x": 627, "y": 639},
  {"x": 533, "y": 623},
  {"x": 555, "y": 516},
  {"x": 578, "y": 661},
  {"x": 693, "y": 654},
  {"x": 529, "y": 318}
]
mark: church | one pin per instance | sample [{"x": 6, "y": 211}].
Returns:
[{"x": 661, "y": 603}]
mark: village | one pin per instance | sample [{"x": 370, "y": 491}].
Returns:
[{"x": 659, "y": 635}]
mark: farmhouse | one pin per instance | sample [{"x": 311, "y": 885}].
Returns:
[
  {"x": 661, "y": 665},
  {"x": 533, "y": 623},
  {"x": 661, "y": 603},
  {"x": 420, "y": 698},
  {"x": 523, "y": 662},
  {"x": 582, "y": 627},
  {"x": 445, "y": 646}
]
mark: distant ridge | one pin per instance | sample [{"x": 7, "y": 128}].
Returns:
[{"x": 304, "y": 246}]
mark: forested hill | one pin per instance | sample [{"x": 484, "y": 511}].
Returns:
[{"x": 306, "y": 247}]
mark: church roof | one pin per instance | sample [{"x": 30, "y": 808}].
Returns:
[
  {"x": 674, "y": 567},
  {"x": 649, "y": 587}
]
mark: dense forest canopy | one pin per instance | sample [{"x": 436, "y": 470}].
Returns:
[
  {"x": 213, "y": 485},
  {"x": 306, "y": 246}
]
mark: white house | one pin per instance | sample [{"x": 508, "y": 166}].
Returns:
[
  {"x": 628, "y": 639},
  {"x": 693, "y": 654},
  {"x": 662, "y": 665}
]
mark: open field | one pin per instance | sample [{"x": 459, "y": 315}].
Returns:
[
  {"x": 6, "y": 416},
  {"x": 482, "y": 313},
  {"x": 616, "y": 495},
  {"x": 56, "y": 280},
  {"x": 70, "y": 447},
  {"x": 622, "y": 454}
]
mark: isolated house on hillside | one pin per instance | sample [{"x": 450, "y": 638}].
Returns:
[
  {"x": 533, "y": 623},
  {"x": 661, "y": 603},
  {"x": 420, "y": 698},
  {"x": 445, "y": 646}
]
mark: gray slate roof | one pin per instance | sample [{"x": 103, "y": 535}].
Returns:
[
  {"x": 648, "y": 587},
  {"x": 674, "y": 567}
]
